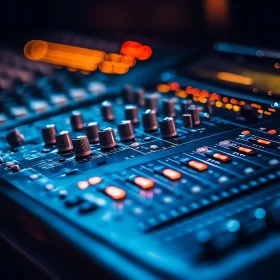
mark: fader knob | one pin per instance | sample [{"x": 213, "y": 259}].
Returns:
[
  {"x": 64, "y": 142},
  {"x": 151, "y": 102},
  {"x": 149, "y": 120},
  {"x": 48, "y": 134},
  {"x": 15, "y": 138},
  {"x": 167, "y": 128},
  {"x": 131, "y": 113},
  {"x": 107, "y": 111},
  {"x": 185, "y": 105},
  {"x": 127, "y": 94},
  {"x": 107, "y": 138},
  {"x": 81, "y": 146},
  {"x": 76, "y": 121},
  {"x": 187, "y": 119},
  {"x": 194, "y": 111},
  {"x": 139, "y": 97},
  {"x": 91, "y": 130},
  {"x": 126, "y": 130},
  {"x": 168, "y": 107}
]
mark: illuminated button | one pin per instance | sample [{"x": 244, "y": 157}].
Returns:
[
  {"x": 262, "y": 142},
  {"x": 83, "y": 185},
  {"x": 244, "y": 150},
  {"x": 94, "y": 180},
  {"x": 144, "y": 183},
  {"x": 115, "y": 193},
  {"x": 272, "y": 131},
  {"x": 171, "y": 174},
  {"x": 199, "y": 166},
  {"x": 218, "y": 156},
  {"x": 245, "y": 132}
]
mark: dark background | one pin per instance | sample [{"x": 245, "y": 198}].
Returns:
[{"x": 171, "y": 21}]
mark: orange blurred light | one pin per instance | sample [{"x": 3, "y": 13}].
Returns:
[
  {"x": 174, "y": 86},
  {"x": 233, "y": 78},
  {"x": 145, "y": 53},
  {"x": 163, "y": 88}
]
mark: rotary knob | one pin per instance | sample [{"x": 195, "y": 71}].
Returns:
[
  {"x": 48, "y": 134},
  {"x": 81, "y": 146},
  {"x": 168, "y": 107},
  {"x": 15, "y": 138},
  {"x": 126, "y": 130},
  {"x": 185, "y": 105},
  {"x": 187, "y": 119},
  {"x": 107, "y": 138},
  {"x": 249, "y": 113},
  {"x": 127, "y": 94},
  {"x": 131, "y": 113},
  {"x": 107, "y": 111},
  {"x": 91, "y": 130},
  {"x": 194, "y": 112},
  {"x": 209, "y": 108},
  {"x": 149, "y": 120},
  {"x": 76, "y": 121},
  {"x": 139, "y": 97},
  {"x": 64, "y": 142},
  {"x": 167, "y": 128},
  {"x": 151, "y": 101}
]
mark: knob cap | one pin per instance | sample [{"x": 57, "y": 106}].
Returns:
[
  {"x": 168, "y": 107},
  {"x": 187, "y": 119},
  {"x": 107, "y": 138},
  {"x": 81, "y": 146},
  {"x": 248, "y": 112},
  {"x": 127, "y": 94},
  {"x": 185, "y": 105},
  {"x": 64, "y": 142},
  {"x": 126, "y": 130},
  {"x": 167, "y": 128},
  {"x": 139, "y": 97},
  {"x": 151, "y": 101},
  {"x": 48, "y": 134},
  {"x": 107, "y": 111},
  {"x": 76, "y": 121},
  {"x": 131, "y": 113},
  {"x": 209, "y": 108},
  {"x": 15, "y": 138},
  {"x": 91, "y": 130},
  {"x": 194, "y": 111},
  {"x": 149, "y": 120}
]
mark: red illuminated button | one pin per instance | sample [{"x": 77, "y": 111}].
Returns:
[
  {"x": 171, "y": 174},
  {"x": 245, "y": 132},
  {"x": 263, "y": 142},
  {"x": 218, "y": 156},
  {"x": 245, "y": 150},
  {"x": 199, "y": 166},
  {"x": 272, "y": 131},
  {"x": 115, "y": 193},
  {"x": 144, "y": 183}
]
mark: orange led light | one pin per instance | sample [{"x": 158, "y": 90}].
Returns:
[
  {"x": 197, "y": 165},
  {"x": 171, "y": 174},
  {"x": 272, "y": 131},
  {"x": 94, "y": 180},
  {"x": 144, "y": 183},
  {"x": 263, "y": 142},
  {"x": 245, "y": 132},
  {"x": 221, "y": 157},
  {"x": 245, "y": 150},
  {"x": 83, "y": 185},
  {"x": 163, "y": 88},
  {"x": 115, "y": 193}
]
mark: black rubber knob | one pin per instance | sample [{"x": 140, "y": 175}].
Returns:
[
  {"x": 151, "y": 102},
  {"x": 131, "y": 113},
  {"x": 48, "y": 134},
  {"x": 127, "y": 94},
  {"x": 167, "y": 128},
  {"x": 139, "y": 97},
  {"x": 107, "y": 138},
  {"x": 187, "y": 119},
  {"x": 91, "y": 130},
  {"x": 126, "y": 130},
  {"x": 64, "y": 142},
  {"x": 194, "y": 111},
  {"x": 77, "y": 121},
  {"x": 15, "y": 138},
  {"x": 81, "y": 146},
  {"x": 107, "y": 111},
  {"x": 168, "y": 108},
  {"x": 149, "y": 120}
]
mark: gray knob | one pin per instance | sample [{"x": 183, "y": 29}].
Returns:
[
  {"x": 107, "y": 111},
  {"x": 81, "y": 146},
  {"x": 76, "y": 121},
  {"x": 167, "y": 128},
  {"x": 187, "y": 119},
  {"x": 168, "y": 108},
  {"x": 48, "y": 134},
  {"x": 64, "y": 142},
  {"x": 149, "y": 120},
  {"x": 139, "y": 97},
  {"x": 151, "y": 101},
  {"x": 15, "y": 138},
  {"x": 107, "y": 138},
  {"x": 126, "y": 130},
  {"x": 194, "y": 111},
  {"x": 131, "y": 113},
  {"x": 127, "y": 94},
  {"x": 91, "y": 130},
  {"x": 185, "y": 105}
]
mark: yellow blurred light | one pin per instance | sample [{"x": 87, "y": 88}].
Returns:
[
  {"x": 236, "y": 108},
  {"x": 267, "y": 113},
  {"x": 233, "y": 78},
  {"x": 219, "y": 104},
  {"x": 128, "y": 60},
  {"x": 229, "y": 106},
  {"x": 202, "y": 99},
  {"x": 120, "y": 68},
  {"x": 163, "y": 88},
  {"x": 181, "y": 93},
  {"x": 195, "y": 98},
  {"x": 260, "y": 111}
]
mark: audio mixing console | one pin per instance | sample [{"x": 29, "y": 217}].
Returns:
[{"x": 136, "y": 183}]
